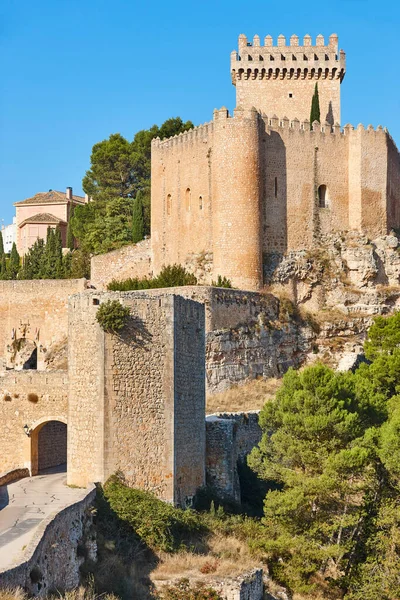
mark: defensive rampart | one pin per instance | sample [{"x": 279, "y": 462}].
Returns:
[{"x": 275, "y": 185}]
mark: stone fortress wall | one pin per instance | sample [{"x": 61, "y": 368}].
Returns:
[{"x": 266, "y": 173}]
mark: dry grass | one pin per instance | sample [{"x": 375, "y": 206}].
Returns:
[
  {"x": 8, "y": 594},
  {"x": 227, "y": 557},
  {"x": 81, "y": 593},
  {"x": 242, "y": 398}
]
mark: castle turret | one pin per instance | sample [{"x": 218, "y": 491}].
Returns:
[
  {"x": 236, "y": 214},
  {"x": 280, "y": 79}
]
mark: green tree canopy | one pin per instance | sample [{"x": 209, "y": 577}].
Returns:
[{"x": 120, "y": 170}]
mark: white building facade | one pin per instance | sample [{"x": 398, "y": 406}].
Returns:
[{"x": 9, "y": 233}]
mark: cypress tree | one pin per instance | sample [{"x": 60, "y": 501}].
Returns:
[
  {"x": 3, "y": 267},
  {"x": 315, "y": 110},
  {"x": 14, "y": 263},
  {"x": 70, "y": 235},
  {"x": 138, "y": 221},
  {"x": 1, "y": 245},
  {"x": 58, "y": 255}
]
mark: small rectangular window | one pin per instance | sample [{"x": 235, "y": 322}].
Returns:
[{"x": 290, "y": 95}]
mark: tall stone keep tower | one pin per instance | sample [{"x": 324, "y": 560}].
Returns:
[{"x": 280, "y": 80}]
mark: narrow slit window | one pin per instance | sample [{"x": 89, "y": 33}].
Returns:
[
  {"x": 276, "y": 187},
  {"x": 323, "y": 199},
  {"x": 188, "y": 195},
  {"x": 200, "y": 202},
  {"x": 169, "y": 204}
]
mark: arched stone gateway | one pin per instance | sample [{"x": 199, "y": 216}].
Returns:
[{"x": 49, "y": 445}]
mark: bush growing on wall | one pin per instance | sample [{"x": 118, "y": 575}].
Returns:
[
  {"x": 170, "y": 276},
  {"x": 112, "y": 316}
]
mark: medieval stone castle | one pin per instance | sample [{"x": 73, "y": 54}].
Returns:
[
  {"x": 246, "y": 188},
  {"x": 234, "y": 193}
]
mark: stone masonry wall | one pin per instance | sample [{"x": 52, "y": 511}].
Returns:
[
  {"x": 129, "y": 261},
  {"x": 230, "y": 437},
  {"x": 28, "y": 398},
  {"x": 53, "y": 557},
  {"x": 130, "y": 403},
  {"x": 181, "y": 210},
  {"x": 41, "y": 303}
]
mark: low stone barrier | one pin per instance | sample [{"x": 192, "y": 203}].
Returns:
[
  {"x": 13, "y": 475},
  {"x": 53, "y": 557}
]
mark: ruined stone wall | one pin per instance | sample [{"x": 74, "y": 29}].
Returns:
[
  {"x": 131, "y": 408},
  {"x": 181, "y": 207},
  {"x": 55, "y": 554},
  {"x": 129, "y": 261},
  {"x": 230, "y": 437},
  {"x": 28, "y": 398},
  {"x": 41, "y": 303}
]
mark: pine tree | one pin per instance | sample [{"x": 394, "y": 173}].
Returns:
[
  {"x": 315, "y": 110},
  {"x": 14, "y": 263},
  {"x": 138, "y": 222}
]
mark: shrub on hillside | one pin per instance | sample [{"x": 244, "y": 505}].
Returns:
[
  {"x": 170, "y": 276},
  {"x": 159, "y": 525},
  {"x": 112, "y": 316}
]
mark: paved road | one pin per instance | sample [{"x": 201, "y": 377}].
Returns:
[{"x": 23, "y": 506}]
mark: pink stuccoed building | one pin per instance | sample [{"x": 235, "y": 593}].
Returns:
[{"x": 45, "y": 209}]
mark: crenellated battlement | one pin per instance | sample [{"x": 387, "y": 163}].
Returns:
[
  {"x": 199, "y": 133},
  {"x": 283, "y": 61},
  {"x": 277, "y": 123}
]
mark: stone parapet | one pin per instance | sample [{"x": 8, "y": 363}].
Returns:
[{"x": 51, "y": 559}]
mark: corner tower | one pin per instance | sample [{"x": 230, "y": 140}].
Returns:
[{"x": 281, "y": 79}]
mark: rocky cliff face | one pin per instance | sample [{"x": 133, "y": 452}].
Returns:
[{"x": 339, "y": 287}]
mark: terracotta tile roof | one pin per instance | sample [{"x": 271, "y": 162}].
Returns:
[
  {"x": 43, "y": 218},
  {"x": 50, "y": 197}
]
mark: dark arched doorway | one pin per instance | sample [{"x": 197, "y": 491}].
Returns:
[{"x": 49, "y": 447}]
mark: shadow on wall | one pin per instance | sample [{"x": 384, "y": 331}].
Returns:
[
  {"x": 274, "y": 201},
  {"x": 329, "y": 115},
  {"x": 135, "y": 333}
]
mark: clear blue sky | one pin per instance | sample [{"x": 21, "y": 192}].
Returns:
[{"x": 74, "y": 71}]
